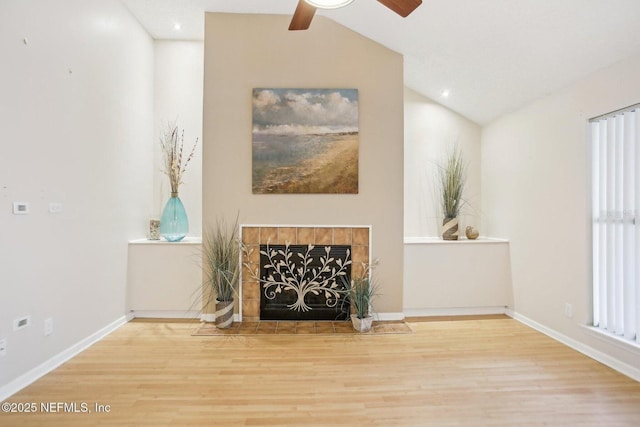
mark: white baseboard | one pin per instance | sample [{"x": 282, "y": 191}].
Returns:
[
  {"x": 605, "y": 359},
  {"x": 454, "y": 311},
  {"x": 39, "y": 371},
  {"x": 164, "y": 314},
  {"x": 210, "y": 317},
  {"x": 388, "y": 316}
]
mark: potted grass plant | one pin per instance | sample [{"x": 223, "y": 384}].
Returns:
[
  {"x": 360, "y": 293},
  {"x": 221, "y": 252},
  {"x": 452, "y": 179}
]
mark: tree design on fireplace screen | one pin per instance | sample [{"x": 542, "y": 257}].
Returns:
[{"x": 304, "y": 282}]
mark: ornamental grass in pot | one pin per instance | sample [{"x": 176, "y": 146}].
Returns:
[
  {"x": 360, "y": 293},
  {"x": 452, "y": 179},
  {"x": 221, "y": 253}
]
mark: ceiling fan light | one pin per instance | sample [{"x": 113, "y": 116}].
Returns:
[{"x": 328, "y": 4}]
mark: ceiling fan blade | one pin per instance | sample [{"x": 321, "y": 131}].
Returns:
[
  {"x": 401, "y": 7},
  {"x": 302, "y": 16}
]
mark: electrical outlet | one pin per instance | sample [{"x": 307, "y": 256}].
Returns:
[
  {"x": 3, "y": 347},
  {"x": 21, "y": 323},
  {"x": 55, "y": 207},
  {"x": 568, "y": 310},
  {"x": 48, "y": 326}
]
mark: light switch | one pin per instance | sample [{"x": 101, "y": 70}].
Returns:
[{"x": 20, "y": 208}]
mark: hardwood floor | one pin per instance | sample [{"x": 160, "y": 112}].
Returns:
[{"x": 494, "y": 372}]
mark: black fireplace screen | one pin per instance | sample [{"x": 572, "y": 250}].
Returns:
[{"x": 304, "y": 282}]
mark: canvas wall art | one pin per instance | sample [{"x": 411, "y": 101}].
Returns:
[{"x": 305, "y": 141}]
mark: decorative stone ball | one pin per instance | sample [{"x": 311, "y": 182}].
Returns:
[{"x": 472, "y": 233}]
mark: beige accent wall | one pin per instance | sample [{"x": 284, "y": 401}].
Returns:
[{"x": 247, "y": 51}]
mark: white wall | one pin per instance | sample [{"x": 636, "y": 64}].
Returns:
[
  {"x": 179, "y": 68},
  {"x": 535, "y": 192},
  {"x": 77, "y": 115},
  {"x": 430, "y": 131}
]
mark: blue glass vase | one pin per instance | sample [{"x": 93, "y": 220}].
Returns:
[{"x": 174, "y": 224}]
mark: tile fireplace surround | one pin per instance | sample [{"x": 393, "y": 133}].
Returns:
[{"x": 359, "y": 237}]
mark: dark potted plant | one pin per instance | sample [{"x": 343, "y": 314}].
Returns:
[{"x": 222, "y": 268}]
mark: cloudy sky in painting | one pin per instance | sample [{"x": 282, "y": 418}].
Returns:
[{"x": 304, "y": 111}]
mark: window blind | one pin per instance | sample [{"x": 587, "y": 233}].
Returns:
[{"x": 616, "y": 235}]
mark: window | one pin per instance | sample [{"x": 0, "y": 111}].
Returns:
[{"x": 615, "y": 140}]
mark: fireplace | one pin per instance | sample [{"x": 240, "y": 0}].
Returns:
[
  {"x": 304, "y": 282},
  {"x": 261, "y": 299}
]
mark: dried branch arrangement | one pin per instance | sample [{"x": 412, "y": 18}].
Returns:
[{"x": 172, "y": 143}]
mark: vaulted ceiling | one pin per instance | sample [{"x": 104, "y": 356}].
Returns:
[{"x": 492, "y": 56}]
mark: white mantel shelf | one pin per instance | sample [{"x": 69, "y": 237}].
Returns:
[
  {"x": 186, "y": 241},
  {"x": 461, "y": 240}
]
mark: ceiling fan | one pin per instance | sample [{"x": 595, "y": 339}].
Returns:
[{"x": 307, "y": 8}]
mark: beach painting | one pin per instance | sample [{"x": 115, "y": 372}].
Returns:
[{"x": 305, "y": 141}]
